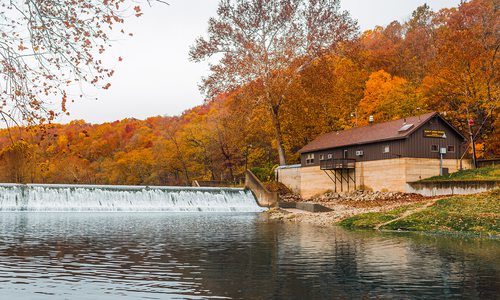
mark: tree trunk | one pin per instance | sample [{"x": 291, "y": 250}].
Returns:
[
  {"x": 181, "y": 158},
  {"x": 277, "y": 131},
  {"x": 186, "y": 173}
]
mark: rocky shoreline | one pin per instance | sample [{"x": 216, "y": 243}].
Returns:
[{"x": 343, "y": 205}]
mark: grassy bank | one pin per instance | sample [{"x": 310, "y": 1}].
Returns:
[
  {"x": 479, "y": 214},
  {"x": 487, "y": 173}
]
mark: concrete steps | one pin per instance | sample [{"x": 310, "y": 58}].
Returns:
[{"x": 307, "y": 206}]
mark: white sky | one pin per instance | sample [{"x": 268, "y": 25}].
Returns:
[{"x": 156, "y": 77}]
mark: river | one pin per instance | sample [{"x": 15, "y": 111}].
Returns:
[{"x": 193, "y": 255}]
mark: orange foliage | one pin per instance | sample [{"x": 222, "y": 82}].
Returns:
[{"x": 444, "y": 61}]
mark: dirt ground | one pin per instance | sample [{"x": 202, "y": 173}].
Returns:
[{"x": 343, "y": 205}]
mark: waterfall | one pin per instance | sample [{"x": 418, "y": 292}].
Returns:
[{"x": 81, "y": 198}]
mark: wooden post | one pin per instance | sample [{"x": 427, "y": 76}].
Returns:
[{"x": 473, "y": 145}]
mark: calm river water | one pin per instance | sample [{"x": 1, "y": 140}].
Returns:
[{"x": 242, "y": 256}]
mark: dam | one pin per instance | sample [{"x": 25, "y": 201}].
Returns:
[{"x": 101, "y": 198}]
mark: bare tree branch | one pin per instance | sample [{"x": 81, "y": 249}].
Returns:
[
  {"x": 269, "y": 42},
  {"x": 46, "y": 46}
]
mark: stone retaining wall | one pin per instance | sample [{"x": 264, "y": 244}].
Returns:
[{"x": 443, "y": 188}]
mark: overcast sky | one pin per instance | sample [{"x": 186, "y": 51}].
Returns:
[{"x": 156, "y": 77}]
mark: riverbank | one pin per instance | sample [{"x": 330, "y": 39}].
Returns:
[
  {"x": 342, "y": 205},
  {"x": 477, "y": 214},
  {"x": 472, "y": 214}
]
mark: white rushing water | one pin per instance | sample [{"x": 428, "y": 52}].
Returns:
[{"x": 80, "y": 198}]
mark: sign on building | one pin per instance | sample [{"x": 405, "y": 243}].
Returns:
[{"x": 434, "y": 133}]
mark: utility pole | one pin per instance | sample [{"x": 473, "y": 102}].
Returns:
[{"x": 473, "y": 144}]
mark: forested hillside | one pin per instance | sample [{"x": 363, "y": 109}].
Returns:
[{"x": 442, "y": 61}]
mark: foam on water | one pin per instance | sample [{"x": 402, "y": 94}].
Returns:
[{"x": 80, "y": 198}]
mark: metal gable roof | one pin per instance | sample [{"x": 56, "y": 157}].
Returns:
[{"x": 369, "y": 134}]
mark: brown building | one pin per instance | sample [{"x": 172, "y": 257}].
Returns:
[{"x": 383, "y": 156}]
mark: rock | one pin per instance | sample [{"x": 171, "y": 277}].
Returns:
[{"x": 353, "y": 196}]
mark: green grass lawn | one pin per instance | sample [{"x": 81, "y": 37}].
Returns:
[
  {"x": 479, "y": 214},
  {"x": 370, "y": 220},
  {"x": 487, "y": 173}
]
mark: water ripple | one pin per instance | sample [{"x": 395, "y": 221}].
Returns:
[{"x": 200, "y": 256}]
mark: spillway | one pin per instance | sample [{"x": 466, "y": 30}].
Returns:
[{"x": 87, "y": 198}]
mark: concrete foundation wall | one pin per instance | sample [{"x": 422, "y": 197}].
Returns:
[
  {"x": 290, "y": 176},
  {"x": 389, "y": 174},
  {"x": 314, "y": 181},
  {"x": 441, "y": 188},
  {"x": 421, "y": 168}
]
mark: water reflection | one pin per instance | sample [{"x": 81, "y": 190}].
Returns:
[{"x": 161, "y": 256}]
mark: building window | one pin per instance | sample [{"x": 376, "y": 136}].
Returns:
[
  {"x": 434, "y": 148},
  {"x": 321, "y": 157},
  {"x": 386, "y": 149},
  {"x": 310, "y": 159},
  {"x": 451, "y": 149},
  {"x": 330, "y": 156}
]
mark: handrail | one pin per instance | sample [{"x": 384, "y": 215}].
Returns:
[{"x": 337, "y": 163}]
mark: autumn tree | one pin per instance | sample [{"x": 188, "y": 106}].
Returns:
[
  {"x": 381, "y": 48},
  {"x": 48, "y": 46},
  {"x": 443, "y": 61},
  {"x": 332, "y": 87},
  {"x": 269, "y": 42},
  {"x": 402, "y": 49},
  {"x": 418, "y": 48},
  {"x": 213, "y": 138},
  {"x": 16, "y": 162},
  {"x": 463, "y": 79},
  {"x": 387, "y": 97},
  {"x": 171, "y": 132}
]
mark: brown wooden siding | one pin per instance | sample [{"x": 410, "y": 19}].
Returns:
[
  {"x": 416, "y": 145},
  {"x": 373, "y": 151},
  {"x": 419, "y": 146}
]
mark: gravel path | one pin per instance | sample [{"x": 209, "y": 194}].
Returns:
[{"x": 408, "y": 213}]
